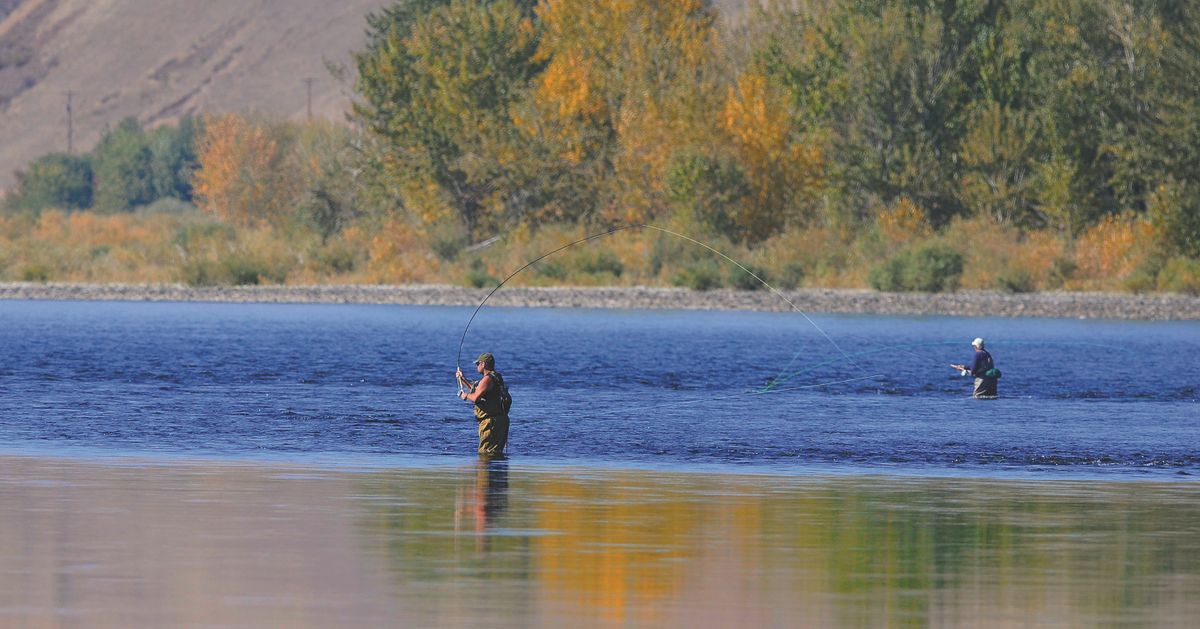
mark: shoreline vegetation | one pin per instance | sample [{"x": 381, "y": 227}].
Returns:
[
  {"x": 1024, "y": 148},
  {"x": 1058, "y": 304}
]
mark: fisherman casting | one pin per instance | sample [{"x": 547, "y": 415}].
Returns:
[
  {"x": 491, "y": 400},
  {"x": 984, "y": 369}
]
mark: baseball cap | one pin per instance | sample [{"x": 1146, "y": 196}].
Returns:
[
  {"x": 977, "y": 342},
  {"x": 486, "y": 358}
]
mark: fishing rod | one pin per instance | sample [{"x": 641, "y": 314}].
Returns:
[{"x": 619, "y": 228}]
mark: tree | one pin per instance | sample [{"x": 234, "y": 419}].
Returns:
[
  {"x": 625, "y": 88},
  {"x": 58, "y": 180},
  {"x": 240, "y": 178},
  {"x": 784, "y": 169},
  {"x": 439, "y": 82},
  {"x": 173, "y": 158},
  {"x": 122, "y": 162}
]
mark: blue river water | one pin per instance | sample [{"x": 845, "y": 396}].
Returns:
[{"x": 759, "y": 392}]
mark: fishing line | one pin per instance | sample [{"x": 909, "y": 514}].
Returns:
[
  {"x": 782, "y": 378},
  {"x": 463, "y": 340},
  {"x": 705, "y": 400}
]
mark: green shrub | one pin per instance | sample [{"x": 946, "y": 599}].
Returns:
[
  {"x": 698, "y": 276},
  {"x": 242, "y": 270},
  {"x": 1015, "y": 281},
  {"x": 58, "y": 180},
  {"x": 201, "y": 272},
  {"x": 601, "y": 262},
  {"x": 742, "y": 280},
  {"x": 930, "y": 268},
  {"x": 35, "y": 273},
  {"x": 1180, "y": 275},
  {"x": 1144, "y": 277},
  {"x": 791, "y": 276},
  {"x": 552, "y": 270}
]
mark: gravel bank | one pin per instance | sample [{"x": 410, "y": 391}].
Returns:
[{"x": 964, "y": 303}]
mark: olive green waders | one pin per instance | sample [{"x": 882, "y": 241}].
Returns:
[
  {"x": 985, "y": 388},
  {"x": 493, "y": 420},
  {"x": 493, "y": 435}
]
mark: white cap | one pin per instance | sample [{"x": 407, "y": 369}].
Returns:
[{"x": 978, "y": 343}]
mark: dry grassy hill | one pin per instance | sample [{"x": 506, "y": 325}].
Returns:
[
  {"x": 161, "y": 59},
  {"x": 158, "y": 60}
]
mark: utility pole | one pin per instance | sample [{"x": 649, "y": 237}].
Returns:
[
  {"x": 70, "y": 123},
  {"x": 308, "y": 84}
]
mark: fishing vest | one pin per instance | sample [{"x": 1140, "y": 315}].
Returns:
[{"x": 496, "y": 402}]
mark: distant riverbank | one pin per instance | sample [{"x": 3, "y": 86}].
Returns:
[{"x": 963, "y": 303}]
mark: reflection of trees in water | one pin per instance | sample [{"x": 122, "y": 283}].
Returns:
[
  {"x": 618, "y": 546},
  {"x": 419, "y": 520}
]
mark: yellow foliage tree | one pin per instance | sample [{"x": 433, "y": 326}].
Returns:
[
  {"x": 623, "y": 87},
  {"x": 785, "y": 172},
  {"x": 239, "y": 178}
]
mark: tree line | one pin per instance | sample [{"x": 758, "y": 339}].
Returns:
[{"x": 901, "y": 144}]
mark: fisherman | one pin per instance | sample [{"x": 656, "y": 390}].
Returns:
[
  {"x": 984, "y": 369},
  {"x": 490, "y": 397}
]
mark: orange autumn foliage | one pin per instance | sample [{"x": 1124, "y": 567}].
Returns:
[
  {"x": 239, "y": 179},
  {"x": 785, "y": 172}
]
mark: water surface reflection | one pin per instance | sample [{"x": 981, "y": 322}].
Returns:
[{"x": 170, "y": 543}]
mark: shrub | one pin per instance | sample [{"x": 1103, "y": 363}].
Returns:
[
  {"x": 1175, "y": 212},
  {"x": 479, "y": 278},
  {"x": 928, "y": 268},
  {"x": 552, "y": 270},
  {"x": 58, "y": 180},
  {"x": 338, "y": 256},
  {"x": 699, "y": 276},
  {"x": 35, "y": 273},
  {"x": 1180, "y": 275},
  {"x": 742, "y": 280},
  {"x": 1015, "y": 281},
  {"x": 601, "y": 262},
  {"x": 201, "y": 272},
  {"x": 242, "y": 269},
  {"x": 791, "y": 276},
  {"x": 1062, "y": 269}
]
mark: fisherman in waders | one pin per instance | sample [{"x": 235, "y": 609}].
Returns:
[
  {"x": 984, "y": 369},
  {"x": 491, "y": 400}
]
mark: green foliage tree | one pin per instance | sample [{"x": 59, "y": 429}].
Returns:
[
  {"x": 173, "y": 158},
  {"x": 57, "y": 180},
  {"x": 439, "y": 82},
  {"x": 710, "y": 190},
  {"x": 123, "y": 168},
  {"x": 1175, "y": 214}
]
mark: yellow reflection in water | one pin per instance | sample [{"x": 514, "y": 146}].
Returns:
[
  {"x": 499, "y": 544},
  {"x": 616, "y": 542}
]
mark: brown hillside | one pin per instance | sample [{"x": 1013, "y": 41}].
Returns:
[{"x": 159, "y": 59}]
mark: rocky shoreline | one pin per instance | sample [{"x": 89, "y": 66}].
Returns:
[{"x": 963, "y": 303}]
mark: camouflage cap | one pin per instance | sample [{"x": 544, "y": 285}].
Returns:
[{"x": 486, "y": 358}]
